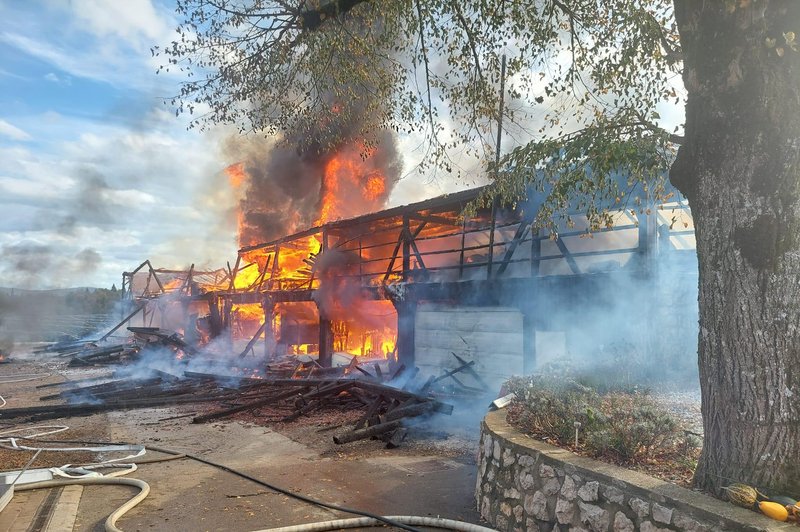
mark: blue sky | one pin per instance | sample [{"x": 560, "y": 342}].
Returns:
[{"x": 96, "y": 173}]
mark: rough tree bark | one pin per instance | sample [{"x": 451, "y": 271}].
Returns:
[{"x": 739, "y": 168}]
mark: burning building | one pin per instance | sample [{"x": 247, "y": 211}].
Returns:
[{"x": 426, "y": 287}]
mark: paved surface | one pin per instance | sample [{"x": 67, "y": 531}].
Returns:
[{"x": 426, "y": 477}]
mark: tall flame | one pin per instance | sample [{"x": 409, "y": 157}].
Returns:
[{"x": 352, "y": 183}]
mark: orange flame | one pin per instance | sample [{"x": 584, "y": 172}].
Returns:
[{"x": 352, "y": 185}]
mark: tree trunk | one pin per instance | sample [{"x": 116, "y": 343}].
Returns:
[{"x": 739, "y": 168}]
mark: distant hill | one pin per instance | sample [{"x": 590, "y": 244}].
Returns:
[
  {"x": 10, "y": 290},
  {"x": 51, "y": 315}
]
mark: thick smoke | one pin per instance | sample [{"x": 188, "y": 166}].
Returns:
[
  {"x": 33, "y": 265},
  {"x": 335, "y": 163},
  {"x": 286, "y": 181}
]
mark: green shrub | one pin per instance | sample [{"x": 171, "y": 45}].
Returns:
[
  {"x": 633, "y": 427},
  {"x": 627, "y": 427}
]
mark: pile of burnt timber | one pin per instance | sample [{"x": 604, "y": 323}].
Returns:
[
  {"x": 387, "y": 409},
  {"x": 123, "y": 394},
  {"x": 104, "y": 352}
]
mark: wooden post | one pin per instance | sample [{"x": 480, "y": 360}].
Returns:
[
  {"x": 325, "y": 340},
  {"x": 406, "y": 234},
  {"x": 227, "y": 307},
  {"x": 463, "y": 242},
  {"x": 536, "y": 252},
  {"x": 234, "y": 272},
  {"x": 492, "y": 226},
  {"x": 269, "y": 335},
  {"x": 215, "y": 320}
]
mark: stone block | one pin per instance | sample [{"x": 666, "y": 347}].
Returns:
[
  {"x": 613, "y": 495},
  {"x": 551, "y": 486},
  {"x": 642, "y": 508},
  {"x": 486, "y": 508},
  {"x": 568, "y": 490},
  {"x": 565, "y": 511},
  {"x": 501, "y": 523},
  {"x": 527, "y": 481},
  {"x": 511, "y": 493},
  {"x": 622, "y": 523},
  {"x": 497, "y": 451},
  {"x": 509, "y": 458},
  {"x": 545, "y": 471},
  {"x": 588, "y": 492},
  {"x": 519, "y": 513},
  {"x": 526, "y": 460},
  {"x": 536, "y": 506},
  {"x": 687, "y": 524},
  {"x": 595, "y": 516},
  {"x": 505, "y": 509},
  {"x": 662, "y": 514}
]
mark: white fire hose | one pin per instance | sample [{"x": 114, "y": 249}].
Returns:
[
  {"x": 111, "y": 520},
  {"x": 358, "y": 522},
  {"x": 115, "y": 479}
]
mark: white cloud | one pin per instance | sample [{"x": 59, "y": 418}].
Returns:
[
  {"x": 52, "y": 77},
  {"x": 13, "y": 132},
  {"x": 135, "y": 21},
  {"x": 130, "y": 194}
]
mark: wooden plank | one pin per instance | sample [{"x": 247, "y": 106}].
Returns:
[
  {"x": 519, "y": 235},
  {"x": 253, "y": 340},
  {"x": 472, "y": 372},
  {"x": 568, "y": 256},
  {"x": 124, "y": 321}
]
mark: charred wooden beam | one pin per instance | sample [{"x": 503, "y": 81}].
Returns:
[
  {"x": 362, "y": 434},
  {"x": 248, "y": 406},
  {"x": 253, "y": 340},
  {"x": 519, "y": 236},
  {"x": 407, "y": 411},
  {"x": 568, "y": 256},
  {"x": 124, "y": 321},
  {"x": 469, "y": 369}
]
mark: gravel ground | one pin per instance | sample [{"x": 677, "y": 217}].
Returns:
[{"x": 684, "y": 406}]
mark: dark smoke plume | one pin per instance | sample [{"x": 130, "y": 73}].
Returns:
[{"x": 286, "y": 182}]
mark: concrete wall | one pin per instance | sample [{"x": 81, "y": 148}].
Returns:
[
  {"x": 491, "y": 336},
  {"x": 529, "y": 486}
]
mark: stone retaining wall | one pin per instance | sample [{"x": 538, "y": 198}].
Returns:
[{"x": 529, "y": 486}]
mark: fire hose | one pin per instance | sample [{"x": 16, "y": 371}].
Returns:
[
  {"x": 358, "y": 522},
  {"x": 111, "y": 520},
  {"x": 368, "y": 519}
]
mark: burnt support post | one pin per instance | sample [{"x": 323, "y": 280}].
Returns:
[
  {"x": 214, "y": 318},
  {"x": 269, "y": 335},
  {"x": 325, "y": 341},
  {"x": 406, "y": 239},
  {"x": 406, "y": 325},
  {"x": 227, "y": 325}
]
